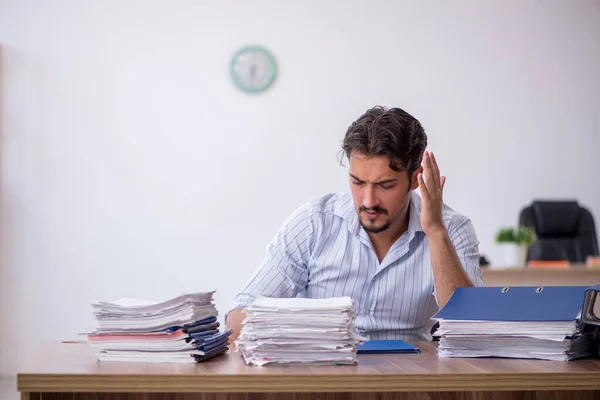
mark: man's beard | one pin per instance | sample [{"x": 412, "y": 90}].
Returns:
[{"x": 379, "y": 211}]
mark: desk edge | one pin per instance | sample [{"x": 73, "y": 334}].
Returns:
[{"x": 208, "y": 383}]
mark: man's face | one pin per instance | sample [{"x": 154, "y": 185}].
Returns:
[{"x": 380, "y": 193}]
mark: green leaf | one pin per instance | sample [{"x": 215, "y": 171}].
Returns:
[
  {"x": 522, "y": 236},
  {"x": 525, "y": 236},
  {"x": 505, "y": 235}
]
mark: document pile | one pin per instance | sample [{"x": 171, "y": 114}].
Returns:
[
  {"x": 180, "y": 330},
  {"x": 299, "y": 331},
  {"x": 517, "y": 322}
]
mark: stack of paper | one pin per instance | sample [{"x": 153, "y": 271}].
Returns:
[
  {"x": 520, "y": 322},
  {"x": 180, "y": 330},
  {"x": 299, "y": 331},
  {"x": 514, "y": 340}
]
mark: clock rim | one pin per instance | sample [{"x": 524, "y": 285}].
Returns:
[{"x": 272, "y": 69}]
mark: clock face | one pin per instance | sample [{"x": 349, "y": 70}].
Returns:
[{"x": 253, "y": 69}]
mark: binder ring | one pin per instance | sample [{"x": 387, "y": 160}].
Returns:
[
  {"x": 538, "y": 290},
  {"x": 504, "y": 289}
]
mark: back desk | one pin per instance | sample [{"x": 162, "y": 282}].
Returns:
[
  {"x": 527, "y": 276},
  {"x": 60, "y": 371}
]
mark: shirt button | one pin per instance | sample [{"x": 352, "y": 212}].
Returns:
[
  {"x": 367, "y": 311},
  {"x": 373, "y": 280}
]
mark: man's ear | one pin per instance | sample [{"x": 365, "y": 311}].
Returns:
[{"x": 414, "y": 181}]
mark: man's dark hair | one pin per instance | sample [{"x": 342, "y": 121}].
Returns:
[{"x": 388, "y": 132}]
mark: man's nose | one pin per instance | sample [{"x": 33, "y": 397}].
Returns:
[{"x": 370, "y": 199}]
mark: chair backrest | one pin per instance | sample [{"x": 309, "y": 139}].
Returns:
[{"x": 564, "y": 229}]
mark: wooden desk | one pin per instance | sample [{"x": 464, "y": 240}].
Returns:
[
  {"x": 70, "y": 371},
  {"x": 573, "y": 276}
]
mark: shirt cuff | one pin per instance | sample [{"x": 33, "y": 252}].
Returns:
[{"x": 241, "y": 300}]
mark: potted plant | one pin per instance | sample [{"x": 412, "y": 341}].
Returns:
[{"x": 514, "y": 244}]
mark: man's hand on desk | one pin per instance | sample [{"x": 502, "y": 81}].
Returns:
[{"x": 234, "y": 322}]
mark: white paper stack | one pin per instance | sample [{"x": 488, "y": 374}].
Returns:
[
  {"x": 183, "y": 329},
  {"x": 299, "y": 331},
  {"x": 556, "y": 341}
]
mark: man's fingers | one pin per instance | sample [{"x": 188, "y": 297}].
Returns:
[
  {"x": 434, "y": 164},
  {"x": 427, "y": 166},
  {"x": 423, "y": 187},
  {"x": 443, "y": 179},
  {"x": 433, "y": 174}
]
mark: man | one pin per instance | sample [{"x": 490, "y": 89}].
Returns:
[{"x": 398, "y": 255}]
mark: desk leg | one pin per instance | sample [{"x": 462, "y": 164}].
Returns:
[{"x": 517, "y": 395}]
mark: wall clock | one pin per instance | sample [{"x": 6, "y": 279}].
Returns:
[{"x": 253, "y": 69}]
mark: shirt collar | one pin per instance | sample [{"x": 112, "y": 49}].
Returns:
[
  {"x": 414, "y": 218},
  {"x": 344, "y": 208}
]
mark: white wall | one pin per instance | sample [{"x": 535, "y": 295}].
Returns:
[{"x": 132, "y": 166}]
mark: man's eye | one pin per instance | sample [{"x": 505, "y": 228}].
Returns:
[
  {"x": 358, "y": 183},
  {"x": 387, "y": 186}
]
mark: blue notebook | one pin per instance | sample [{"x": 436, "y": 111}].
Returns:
[{"x": 386, "y": 346}]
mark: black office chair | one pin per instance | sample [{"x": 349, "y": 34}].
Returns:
[{"x": 564, "y": 229}]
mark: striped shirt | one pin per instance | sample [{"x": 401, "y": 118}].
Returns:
[{"x": 322, "y": 251}]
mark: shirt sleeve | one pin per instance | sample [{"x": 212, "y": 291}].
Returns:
[
  {"x": 283, "y": 272},
  {"x": 463, "y": 237}
]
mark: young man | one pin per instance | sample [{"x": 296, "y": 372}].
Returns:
[{"x": 398, "y": 255}]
